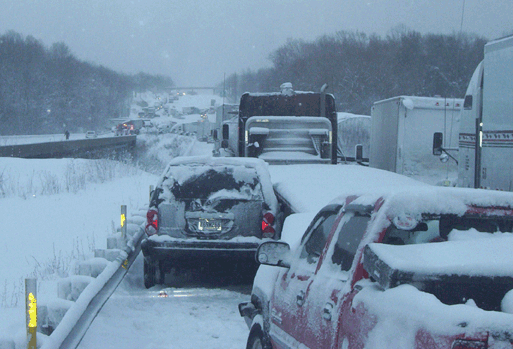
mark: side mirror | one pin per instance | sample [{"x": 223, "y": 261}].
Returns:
[
  {"x": 359, "y": 153},
  {"x": 275, "y": 253},
  {"x": 438, "y": 139}
]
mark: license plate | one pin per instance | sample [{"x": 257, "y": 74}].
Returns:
[{"x": 209, "y": 225}]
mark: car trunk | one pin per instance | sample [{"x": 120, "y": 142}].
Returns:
[{"x": 233, "y": 218}]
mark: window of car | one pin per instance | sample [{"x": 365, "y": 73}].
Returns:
[
  {"x": 317, "y": 234},
  {"x": 352, "y": 227},
  {"x": 436, "y": 228},
  {"x": 216, "y": 187}
]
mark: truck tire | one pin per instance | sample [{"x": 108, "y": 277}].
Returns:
[
  {"x": 160, "y": 273},
  {"x": 257, "y": 339}
]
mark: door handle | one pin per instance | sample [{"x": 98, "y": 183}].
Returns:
[
  {"x": 326, "y": 312},
  {"x": 300, "y": 298}
]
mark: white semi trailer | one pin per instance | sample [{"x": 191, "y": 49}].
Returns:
[
  {"x": 402, "y": 133},
  {"x": 487, "y": 117}
]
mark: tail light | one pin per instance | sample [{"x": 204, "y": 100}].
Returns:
[
  {"x": 468, "y": 344},
  {"x": 152, "y": 225},
  {"x": 267, "y": 228}
]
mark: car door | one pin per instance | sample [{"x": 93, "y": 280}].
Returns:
[
  {"x": 330, "y": 284},
  {"x": 287, "y": 324}
]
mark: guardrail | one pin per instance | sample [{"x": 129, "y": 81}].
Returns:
[
  {"x": 89, "y": 148},
  {"x": 81, "y": 296}
]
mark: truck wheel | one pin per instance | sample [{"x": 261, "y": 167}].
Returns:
[
  {"x": 149, "y": 274},
  {"x": 257, "y": 339},
  {"x": 160, "y": 274}
]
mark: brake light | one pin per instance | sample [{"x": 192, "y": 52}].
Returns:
[
  {"x": 468, "y": 344},
  {"x": 152, "y": 218},
  {"x": 267, "y": 222}
]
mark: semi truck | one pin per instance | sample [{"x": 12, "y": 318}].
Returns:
[
  {"x": 486, "y": 127},
  {"x": 284, "y": 127},
  {"x": 401, "y": 136}
]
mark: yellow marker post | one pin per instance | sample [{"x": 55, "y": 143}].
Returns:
[
  {"x": 31, "y": 312},
  {"x": 123, "y": 221}
]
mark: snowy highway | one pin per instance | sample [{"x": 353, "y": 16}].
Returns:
[{"x": 202, "y": 314}]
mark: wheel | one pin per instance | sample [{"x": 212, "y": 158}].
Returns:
[
  {"x": 257, "y": 339},
  {"x": 149, "y": 274},
  {"x": 160, "y": 273}
]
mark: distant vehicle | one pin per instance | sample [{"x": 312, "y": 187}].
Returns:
[
  {"x": 410, "y": 266},
  {"x": 402, "y": 135},
  {"x": 91, "y": 134},
  {"x": 205, "y": 210},
  {"x": 353, "y": 130},
  {"x": 132, "y": 127},
  {"x": 285, "y": 127},
  {"x": 165, "y": 128},
  {"x": 486, "y": 128}
]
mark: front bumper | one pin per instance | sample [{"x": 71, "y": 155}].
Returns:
[{"x": 198, "y": 249}]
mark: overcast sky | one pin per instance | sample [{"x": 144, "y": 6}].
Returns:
[{"x": 196, "y": 41}]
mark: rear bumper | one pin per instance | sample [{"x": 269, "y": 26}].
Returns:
[{"x": 197, "y": 249}]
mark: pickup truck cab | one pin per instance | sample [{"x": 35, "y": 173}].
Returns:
[{"x": 403, "y": 267}]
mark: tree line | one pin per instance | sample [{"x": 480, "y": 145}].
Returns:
[
  {"x": 361, "y": 69},
  {"x": 48, "y": 90}
]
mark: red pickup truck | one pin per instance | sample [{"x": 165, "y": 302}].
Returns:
[{"x": 413, "y": 267}]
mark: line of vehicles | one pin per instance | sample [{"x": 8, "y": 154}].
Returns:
[{"x": 391, "y": 262}]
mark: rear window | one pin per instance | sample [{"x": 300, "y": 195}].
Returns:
[
  {"x": 207, "y": 181},
  {"x": 203, "y": 183}
]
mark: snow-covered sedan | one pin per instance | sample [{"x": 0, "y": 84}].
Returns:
[
  {"x": 404, "y": 267},
  {"x": 207, "y": 209}
]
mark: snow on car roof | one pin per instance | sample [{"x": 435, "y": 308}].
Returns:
[
  {"x": 401, "y": 193},
  {"x": 294, "y": 183},
  {"x": 262, "y": 94},
  {"x": 412, "y": 200}
]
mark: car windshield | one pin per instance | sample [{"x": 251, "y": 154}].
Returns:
[{"x": 435, "y": 228}]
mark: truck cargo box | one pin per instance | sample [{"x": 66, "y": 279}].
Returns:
[
  {"x": 402, "y": 131},
  {"x": 455, "y": 272}
]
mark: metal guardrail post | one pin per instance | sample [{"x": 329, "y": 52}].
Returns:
[
  {"x": 31, "y": 312},
  {"x": 123, "y": 222}
]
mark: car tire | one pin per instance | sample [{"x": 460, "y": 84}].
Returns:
[
  {"x": 149, "y": 274},
  {"x": 257, "y": 339}
]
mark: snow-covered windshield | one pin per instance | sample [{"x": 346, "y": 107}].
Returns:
[{"x": 435, "y": 228}]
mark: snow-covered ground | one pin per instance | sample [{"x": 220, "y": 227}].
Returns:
[{"x": 55, "y": 212}]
